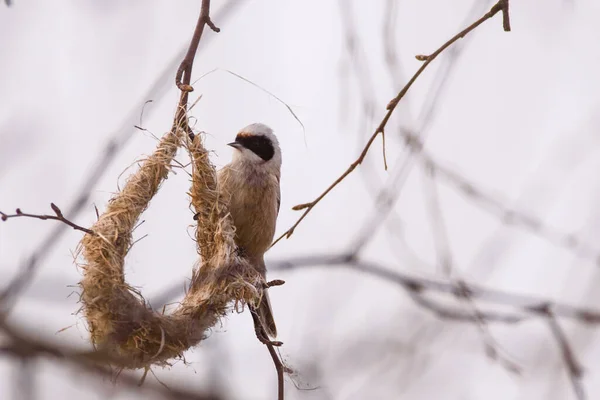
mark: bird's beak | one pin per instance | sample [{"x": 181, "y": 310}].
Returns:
[{"x": 235, "y": 145}]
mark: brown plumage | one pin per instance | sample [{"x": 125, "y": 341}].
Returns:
[{"x": 250, "y": 186}]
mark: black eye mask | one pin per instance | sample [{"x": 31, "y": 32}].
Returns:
[{"x": 259, "y": 145}]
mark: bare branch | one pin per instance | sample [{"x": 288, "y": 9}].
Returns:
[
  {"x": 27, "y": 348},
  {"x": 573, "y": 367},
  {"x": 493, "y": 204},
  {"x": 530, "y": 305},
  {"x": 390, "y": 110},
  {"x": 262, "y": 336},
  {"x": 58, "y": 217},
  {"x": 184, "y": 72},
  {"x": 446, "y": 263}
]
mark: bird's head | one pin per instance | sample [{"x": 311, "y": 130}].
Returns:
[{"x": 257, "y": 144}]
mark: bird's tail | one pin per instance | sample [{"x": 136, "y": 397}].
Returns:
[{"x": 265, "y": 313}]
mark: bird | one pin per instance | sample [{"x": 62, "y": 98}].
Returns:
[{"x": 250, "y": 186}]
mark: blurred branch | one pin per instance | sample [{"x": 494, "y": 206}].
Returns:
[
  {"x": 460, "y": 315},
  {"x": 446, "y": 263},
  {"x": 510, "y": 216},
  {"x": 492, "y": 204},
  {"x": 26, "y": 349},
  {"x": 416, "y": 288},
  {"x": 390, "y": 110},
  {"x": 26, "y": 380},
  {"x": 529, "y": 305},
  {"x": 487, "y": 201},
  {"x": 58, "y": 217},
  {"x": 438, "y": 225},
  {"x": 573, "y": 367}
]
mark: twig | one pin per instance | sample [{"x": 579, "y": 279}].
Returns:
[
  {"x": 573, "y": 367},
  {"x": 262, "y": 336},
  {"x": 280, "y": 370},
  {"x": 481, "y": 322},
  {"x": 390, "y": 110},
  {"x": 438, "y": 224},
  {"x": 260, "y": 331},
  {"x": 26, "y": 348},
  {"x": 505, "y": 17},
  {"x": 492, "y": 204},
  {"x": 526, "y": 304},
  {"x": 445, "y": 261},
  {"x": 456, "y": 314},
  {"x": 510, "y": 216},
  {"x": 184, "y": 72},
  {"x": 58, "y": 217}
]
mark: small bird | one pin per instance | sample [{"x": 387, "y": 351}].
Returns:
[{"x": 250, "y": 186}]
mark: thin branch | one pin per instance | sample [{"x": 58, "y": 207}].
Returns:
[
  {"x": 280, "y": 370},
  {"x": 491, "y": 203},
  {"x": 530, "y": 305},
  {"x": 262, "y": 336},
  {"x": 26, "y": 348},
  {"x": 390, "y": 110},
  {"x": 184, "y": 72},
  {"x": 460, "y": 315},
  {"x": 438, "y": 224},
  {"x": 573, "y": 367},
  {"x": 505, "y": 17},
  {"x": 445, "y": 261},
  {"x": 490, "y": 344},
  {"x": 58, "y": 217},
  {"x": 510, "y": 216}
]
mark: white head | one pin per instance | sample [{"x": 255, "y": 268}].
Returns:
[{"x": 257, "y": 145}]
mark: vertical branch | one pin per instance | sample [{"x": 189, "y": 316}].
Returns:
[
  {"x": 505, "y": 17},
  {"x": 573, "y": 367},
  {"x": 262, "y": 336},
  {"x": 445, "y": 261},
  {"x": 184, "y": 72}
]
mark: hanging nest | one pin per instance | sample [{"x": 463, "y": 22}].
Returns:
[{"x": 120, "y": 321}]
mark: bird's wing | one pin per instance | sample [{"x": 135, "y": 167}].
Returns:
[
  {"x": 278, "y": 200},
  {"x": 278, "y": 196}
]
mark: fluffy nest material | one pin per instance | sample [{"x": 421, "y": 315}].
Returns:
[{"x": 120, "y": 321}]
